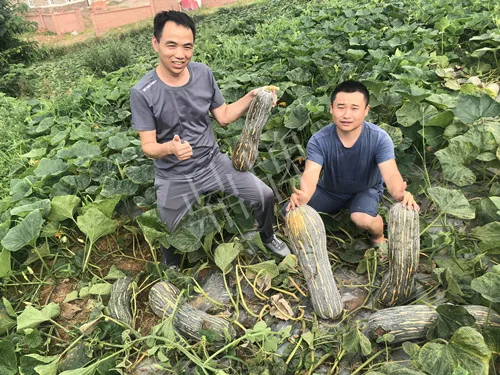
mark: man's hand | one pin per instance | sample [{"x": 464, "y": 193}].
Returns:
[
  {"x": 181, "y": 149},
  {"x": 297, "y": 199},
  {"x": 408, "y": 200},
  {"x": 271, "y": 89}
]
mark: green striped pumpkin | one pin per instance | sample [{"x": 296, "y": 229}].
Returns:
[
  {"x": 404, "y": 250},
  {"x": 413, "y": 321},
  {"x": 119, "y": 302},
  {"x": 308, "y": 238},
  {"x": 189, "y": 321},
  {"x": 247, "y": 147}
]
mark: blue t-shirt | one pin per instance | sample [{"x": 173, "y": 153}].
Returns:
[
  {"x": 354, "y": 169},
  {"x": 182, "y": 110}
]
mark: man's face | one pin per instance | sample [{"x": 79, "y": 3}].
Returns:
[
  {"x": 349, "y": 110},
  {"x": 175, "y": 48}
]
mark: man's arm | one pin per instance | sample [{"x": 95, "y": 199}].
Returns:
[
  {"x": 155, "y": 150},
  {"x": 396, "y": 185},
  {"x": 308, "y": 183}
]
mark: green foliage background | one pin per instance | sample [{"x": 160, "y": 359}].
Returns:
[{"x": 72, "y": 173}]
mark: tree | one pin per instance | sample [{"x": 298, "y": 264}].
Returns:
[{"x": 12, "y": 24}]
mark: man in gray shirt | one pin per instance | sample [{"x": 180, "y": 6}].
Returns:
[{"x": 170, "y": 108}]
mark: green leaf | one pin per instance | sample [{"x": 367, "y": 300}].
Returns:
[
  {"x": 47, "y": 369},
  {"x": 63, "y": 207},
  {"x": 90, "y": 370},
  {"x": 95, "y": 224},
  {"x": 466, "y": 349},
  {"x": 35, "y": 153},
  {"x": 471, "y": 108},
  {"x": 101, "y": 289},
  {"x": 296, "y": 116},
  {"x": 5, "y": 267},
  {"x": 20, "y": 189},
  {"x": 112, "y": 187},
  {"x": 442, "y": 24},
  {"x": 141, "y": 175},
  {"x": 409, "y": 113},
  {"x": 31, "y": 317},
  {"x": 6, "y": 323},
  {"x": 118, "y": 142},
  {"x": 489, "y": 235},
  {"x": 452, "y": 202},
  {"x": 106, "y": 206},
  {"x": 114, "y": 274},
  {"x": 354, "y": 341},
  {"x": 50, "y": 167},
  {"x": 24, "y": 233},
  {"x": 43, "y": 205},
  {"x": 441, "y": 120},
  {"x": 8, "y": 364},
  {"x": 152, "y": 228},
  {"x": 450, "y": 318},
  {"x": 264, "y": 269},
  {"x": 488, "y": 286},
  {"x": 225, "y": 254}
]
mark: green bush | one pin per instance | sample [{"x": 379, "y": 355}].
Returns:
[{"x": 107, "y": 57}]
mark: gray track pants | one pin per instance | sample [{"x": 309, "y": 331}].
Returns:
[{"x": 176, "y": 196}]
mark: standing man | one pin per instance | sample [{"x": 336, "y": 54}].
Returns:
[
  {"x": 356, "y": 158},
  {"x": 170, "y": 108}
]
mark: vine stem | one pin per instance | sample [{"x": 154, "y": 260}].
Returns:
[{"x": 367, "y": 362}]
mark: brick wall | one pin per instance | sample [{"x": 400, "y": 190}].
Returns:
[
  {"x": 216, "y": 3},
  {"x": 57, "y": 5},
  {"x": 59, "y": 23}
]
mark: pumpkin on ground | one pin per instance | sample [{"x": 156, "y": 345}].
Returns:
[
  {"x": 189, "y": 321},
  {"x": 308, "y": 238},
  {"x": 119, "y": 302},
  {"x": 404, "y": 250}
]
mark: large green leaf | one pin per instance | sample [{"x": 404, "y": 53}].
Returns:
[
  {"x": 465, "y": 349},
  {"x": 8, "y": 364},
  {"x": 450, "y": 318},
  {"x": 43, "y": 205},
  {"x": 24, "y": 233},
  {"x": 141, "y": 175},
  {"x": 488, "y": 285},
  {"x": 152, "y": 228},
  {"x": 31, "y": 317},
  {"x": 106, "y": 206},
  {"x": 20, "y": 189},
  {"x": 471, "y": 108},
  {"x": 118, "y": 142},
  {"x": 112, "y": 187},
  {"x": 95, "y": 224},
  {"x": 452, "y": 202},
  {"x": 5, "y": 267},
  {"x": 63, "y": 207},
  {"x": 6, "y": 323},
  {"x": 409, "y": 113},
  {"x": 50, "y": 167},
  {"x": 225, "y": 254},
  {"x": 489, "y": 235}
]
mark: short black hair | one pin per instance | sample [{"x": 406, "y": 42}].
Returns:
[
  {"x": 180, "y": 18},
  {"x": 351, "y": 86}
]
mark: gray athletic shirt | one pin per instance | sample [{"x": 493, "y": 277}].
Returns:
[
  {"x": 354, "y": 169},
  {"x": 182, "y": 110}
]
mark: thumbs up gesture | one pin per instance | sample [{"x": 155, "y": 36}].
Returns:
[{"x": 181, "y": 149}]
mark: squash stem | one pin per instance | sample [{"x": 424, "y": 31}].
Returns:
[{"x": 368, "y": 361}]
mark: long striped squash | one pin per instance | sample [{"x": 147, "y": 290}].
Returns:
[
  {"x": 247, "y": 147},
  {"x": 119, "y": 302},
  {"x": 404, "y": 250},
  {"x": 308, "y": 238},
  {"x": 413, "y": 321},
  {"x": 189, "y": 321}
]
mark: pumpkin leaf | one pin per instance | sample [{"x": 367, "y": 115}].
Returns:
[
  {"x": 8, "y": 364},
  {"x": 50, "y": 167},
  {"x": 90, "y": 370},
  {"x": 488, "y": 285},
  {"x": 471, "y": 108},
  {"x": 489, "y": 235},
  {"x": 63, "y": 207},
  {"x": 31, "y": 317},
  {"x": 450, "y": 318},
  {"x": 94, "y": 224},
  {"x": 5, "y": 267},
  {"x": 452, "y": 202},
  {"x": 225, "y": 254},
  {"x": 24, "y": 233}
]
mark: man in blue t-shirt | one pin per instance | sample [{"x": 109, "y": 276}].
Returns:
[
  {"x": 356, "y": 158},
  {"x": 170, "y": 108}
]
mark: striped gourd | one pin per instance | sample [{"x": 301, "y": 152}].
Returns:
[
  {"x": 308, "y": 238},
  {"x": 189, "y": 321},
  {"x": 413, "y": 321},
  {"x": 404, "y": 249},
  {"x": 119, "y": 302},
  {"x": 247, "y": 147}
]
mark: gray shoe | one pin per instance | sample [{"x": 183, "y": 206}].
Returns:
[{"x": 277, "y": 246}]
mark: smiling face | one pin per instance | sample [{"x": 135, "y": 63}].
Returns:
[
  {"x": 175, "y": 50},
  {"x": 348, "y": 111}
]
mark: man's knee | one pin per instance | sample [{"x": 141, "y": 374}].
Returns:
[{"x": 363, "y": 221}]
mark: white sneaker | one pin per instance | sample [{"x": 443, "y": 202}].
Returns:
[{"x": 277, "y": 246}]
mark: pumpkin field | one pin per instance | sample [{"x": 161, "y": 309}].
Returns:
[{"x": 80, "y": 277}]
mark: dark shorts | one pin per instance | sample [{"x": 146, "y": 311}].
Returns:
[{"x": 365, "y": 201}]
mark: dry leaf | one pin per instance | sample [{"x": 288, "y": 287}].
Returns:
[{"x": 280, "y": 308}]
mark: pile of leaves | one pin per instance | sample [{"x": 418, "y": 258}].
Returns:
[{"x": 78, "y": 208}]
